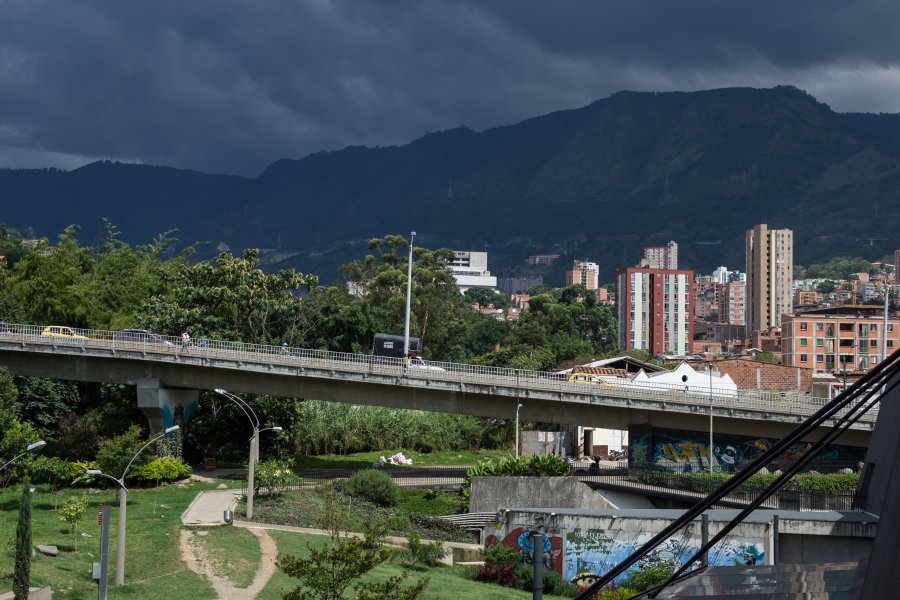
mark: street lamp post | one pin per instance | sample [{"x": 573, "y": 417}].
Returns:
[
  {"x": 518, "y": 406},
  {"x": 412, "y": 237},
  {"x": 254, "y": 442},
  {"x": 711, "y": 453},
  {"x": 123, "y": 505},
  {"x": 28, "y": 449}
]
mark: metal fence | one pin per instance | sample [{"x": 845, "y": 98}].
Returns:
[
  {"x": 686, "y": 487},
  {"x": 166, "y": 348}
]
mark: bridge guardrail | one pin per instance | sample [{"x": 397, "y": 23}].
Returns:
[{"x": 788, "y": 403}]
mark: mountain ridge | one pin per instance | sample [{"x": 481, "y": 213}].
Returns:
[{"x": 599, "y": 181}]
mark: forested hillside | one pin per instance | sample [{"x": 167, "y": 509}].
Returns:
[{"x": 597, "y": 182}]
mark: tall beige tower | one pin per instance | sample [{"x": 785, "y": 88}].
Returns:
[{"x": 770, "y": 276}]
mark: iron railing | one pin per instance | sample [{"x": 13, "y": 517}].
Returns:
[{"x": 167, "y": 348}]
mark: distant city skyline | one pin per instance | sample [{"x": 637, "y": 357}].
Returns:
[{"x": 232, "y": 87}]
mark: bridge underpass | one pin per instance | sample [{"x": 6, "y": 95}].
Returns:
[{"x": 168, "y": 376}]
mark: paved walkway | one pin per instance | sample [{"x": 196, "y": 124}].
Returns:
[{"x": 208, "y": 508}]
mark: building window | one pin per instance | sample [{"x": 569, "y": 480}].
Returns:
[
  {"x": 803, "y": 341},
  {"x": 804, "y": 358},
  {"x": 890, "y": 327},
  {"x": 819, "y": 343},
  {"x": 873, "y": 360},
  {"x": 802, "y": 326},
  {"x": 820, "y": 326},
  {"x": 819, "y": 358}
]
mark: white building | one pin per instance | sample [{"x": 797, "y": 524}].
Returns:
[{"x": 470, "y": 269}]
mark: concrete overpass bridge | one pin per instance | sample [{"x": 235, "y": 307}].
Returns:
[{"x": 169, "y": 376}]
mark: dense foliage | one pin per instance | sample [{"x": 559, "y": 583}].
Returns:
[
  {"x": 114, "y": 285},
  {"x": 372, "y": 485}
]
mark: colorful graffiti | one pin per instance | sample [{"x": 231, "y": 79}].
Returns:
[
  {"x": 590, "y": 554},
  {"x": 686, "y": 451},
  {"x": 519, "y": 539}
]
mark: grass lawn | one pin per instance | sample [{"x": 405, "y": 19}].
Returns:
[
  {"x": 153, "y": 567},
  {"x": 364, "y": 460},
  {"x": 300, "y": 509},
  {"x": 233, "y": 552},
  {"x": 446, "y": 582}
]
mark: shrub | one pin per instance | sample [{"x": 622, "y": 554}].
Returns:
[
  {"x": 273, "y": 475},
  {"x": 498, "y": 556},
  {"x": 114, "y": 453},
  {"x": 553, "y": 581},
  {"x": 503, "y": 576},
  {"x": 164, "y": 468},
  {"x": 647, "y": 576},
  {"x": 51, "y": 469},
  {"x": 374, "y": 486},
  {"x": 417, "y": 554}
]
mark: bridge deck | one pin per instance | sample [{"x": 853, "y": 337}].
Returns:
[{"x": 471, "y": 380}]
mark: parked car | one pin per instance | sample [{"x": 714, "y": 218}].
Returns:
[
  {"x": 59, "y": 331},
  {"x": 416, "y": 362},
  {"x": 140, "y": 336}
]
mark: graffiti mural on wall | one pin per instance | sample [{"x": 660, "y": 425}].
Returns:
[
  {"x": 519, "y": 538},
  {"x": 582, "y": 555},
  {"x": 686, "y": 451},
  {"x": 590, "y": 554}
]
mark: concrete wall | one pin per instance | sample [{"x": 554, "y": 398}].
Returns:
[
  {"x": 806, "y": 549},
  {"x": 582, "y": 544},
  {"x": 492, "y": 493}
]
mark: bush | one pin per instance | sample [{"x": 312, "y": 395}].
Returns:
[
  {"x": 72, "y": 511},
  {"x": 165, "y": 468},
  {"x": 273, "y": 475},
  {"x": 374, "y": 486},
  {"x": 503, "y": 576},
  {"x": 498, "y": 556},
  {"x": 647, "y": 576},
  {"x": 114, "y": 453},
  {"x": 417, "y": 554}
]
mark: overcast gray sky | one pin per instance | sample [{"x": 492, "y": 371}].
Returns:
[{"x": 233, "y": 85}]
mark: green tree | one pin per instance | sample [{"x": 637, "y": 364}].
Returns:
[
  {"x": 22, "y": 571},
  {"x": 72, "y": 512},
  {"x": 329, "y": 572},
  {"x": 231, "y": 299},
  {"x": 114, "y": 453},
  {"x": 486, "y": 296}
]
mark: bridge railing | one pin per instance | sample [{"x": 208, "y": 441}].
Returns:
[{"x": 695, "y": 396}]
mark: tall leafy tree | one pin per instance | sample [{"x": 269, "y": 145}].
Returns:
[{"x": 230, "y": 298}]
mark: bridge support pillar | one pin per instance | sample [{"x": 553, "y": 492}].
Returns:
[{"x": 163, "y": 406}]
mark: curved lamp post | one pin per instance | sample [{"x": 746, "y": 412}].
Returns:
[
  {"x": 123, "y": 502},
  {"x": 28, "y": 449},
  {"x": 254, "y": 441}
]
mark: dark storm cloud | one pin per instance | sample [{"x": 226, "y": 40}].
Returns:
[{"x": 230, "y": 86}]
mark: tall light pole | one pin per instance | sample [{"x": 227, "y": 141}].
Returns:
[
  {"x": 254, "y": 442},
  {"x": 28, "y": 449},
  {"x": 518, "y": 406},
  {"x": 711, "y": 453},
  {"x": 412, "y": 237},
  {"x": 123, "y": 505},
  {"x": 884, "y": 325}
]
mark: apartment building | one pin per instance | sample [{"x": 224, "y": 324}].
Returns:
[
  {"x": 584, "y": 273},
  {"x": 654, "y": 310},
  {"x": 731, "y": 299},
  {"x": 706, "y": 297},
  {"x": 770, "y": 275},
  {"x": 837, "y": 338},
  {"x": 661, "y": 257}
]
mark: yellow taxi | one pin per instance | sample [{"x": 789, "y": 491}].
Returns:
[{"x": 59, "y": 331}]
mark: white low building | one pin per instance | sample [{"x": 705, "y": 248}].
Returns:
[{"x": 685, "y": 378}]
